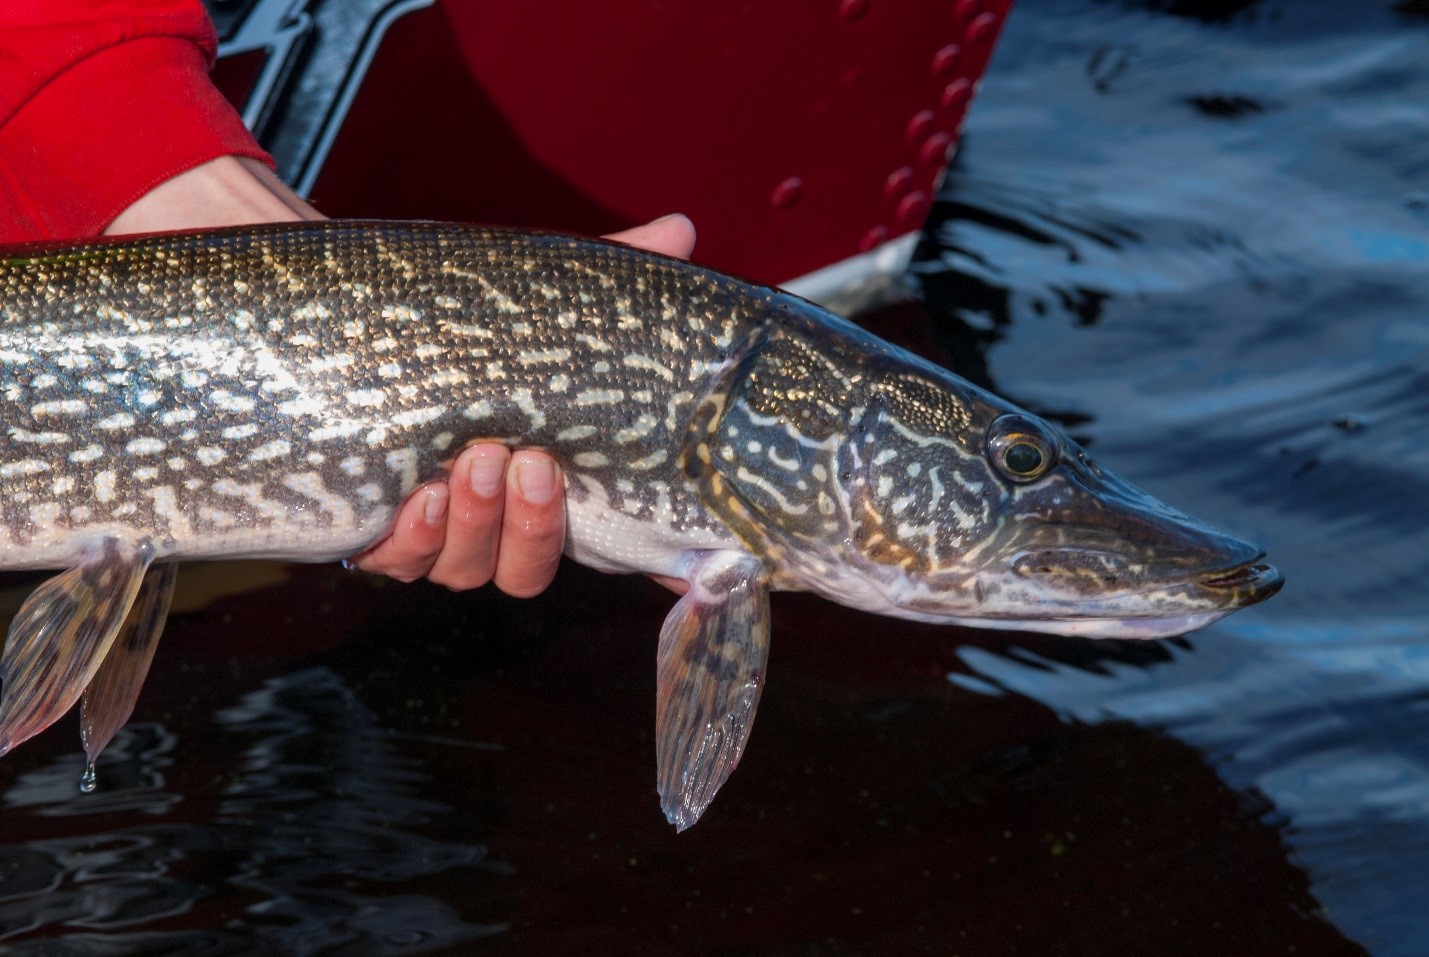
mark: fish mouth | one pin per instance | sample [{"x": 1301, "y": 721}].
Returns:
[
  {"x": 1209, "y": 597},
  {"x": 1234, "y": 580},
  {"x": 1248, "y": 583}
]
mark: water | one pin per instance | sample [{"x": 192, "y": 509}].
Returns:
[
  {"x": 1196, "y": 233},
  {"x": 1218, "y": 226}
]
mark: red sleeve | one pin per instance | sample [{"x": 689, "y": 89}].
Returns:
[{"x": 100, "y": 101}]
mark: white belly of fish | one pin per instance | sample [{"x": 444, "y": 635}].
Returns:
[
  {"x": 612, "y": 540},
  {"x": 598, "y": 534},
  {"x": 292, "y": 535}
]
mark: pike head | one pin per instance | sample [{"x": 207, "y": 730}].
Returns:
[{"x": 886, "y": 483}]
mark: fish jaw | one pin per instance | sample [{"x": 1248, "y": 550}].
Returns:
[
  {"x": 1120, "y": 628},
  {"x": 1255, "y": 583},
  {"x": 1123, "y": 617}
]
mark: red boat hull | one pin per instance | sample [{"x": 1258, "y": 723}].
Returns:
[{"x": 794, "y": 139}]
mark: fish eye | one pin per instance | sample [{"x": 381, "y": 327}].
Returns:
[
  {"x": 1024, "y": 458},
  {"x": 1021, "y": 448}
]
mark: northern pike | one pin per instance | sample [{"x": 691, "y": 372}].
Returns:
[{"x": 276, "y": 392}]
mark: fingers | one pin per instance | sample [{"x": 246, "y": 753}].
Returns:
[
  {"x": 478, "y": 498},
  {"x": 672, "y": 235},
  {"x": 498, "y": 518},
  {"x": 417, "y": 536},
  {"x": 533, "y": 529}
]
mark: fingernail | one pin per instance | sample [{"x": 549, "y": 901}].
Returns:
[
  {"x": 435, "y": 509},
  {"x": 668, "y": 217},
  {"x": 486, "y": 475},
  {"x": 536, "y": 479}
]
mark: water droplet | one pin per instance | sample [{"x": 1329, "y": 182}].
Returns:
[
  {"x": 87, "y": 782},
  {"x": 851, "y": 10},
  {"x": 1349, "y": 423},
  {"x": 982, "y": 30},
  {"x": 787, "y": 193},
  {"x": 946, "y": 60},
  {"x": 965, "y": 10},
  {"x": 872, "y": 239},
  {"x": 920, "y": 126},
  {"x": 898, "y": 183},
  {"x": 935, "y": 151},
  {"x": 912, "y": 210},
  {"x": 956, "y": 95}
]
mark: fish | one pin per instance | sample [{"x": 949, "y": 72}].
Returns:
[{"x": 277, "y": 391}]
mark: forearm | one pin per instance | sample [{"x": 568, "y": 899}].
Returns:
[
  {"x": 101, "y": 101},
  {"x": 227, "y": 191}
]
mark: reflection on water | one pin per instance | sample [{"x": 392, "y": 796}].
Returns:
[
  {"x": 317, "y": 826},
  {"x": 1197, "y": 233}
]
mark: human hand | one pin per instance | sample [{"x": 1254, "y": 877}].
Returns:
[{"x": 500, "y": 515}]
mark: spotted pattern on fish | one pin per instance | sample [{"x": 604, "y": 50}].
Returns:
[{"x": 267, "y": 382}]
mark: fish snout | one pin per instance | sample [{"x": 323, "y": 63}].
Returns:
[
  {"x": 1213, "y": 566},
  {"x": 1247, "y": 584}
]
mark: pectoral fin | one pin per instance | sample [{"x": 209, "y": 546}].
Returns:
[
  {"x": 713, "y": 650},
  {"x": 60, "y": 636},
  {"x": 109, "y": 700}
]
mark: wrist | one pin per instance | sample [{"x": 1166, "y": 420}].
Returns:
[{"x": 227, "y": 191}]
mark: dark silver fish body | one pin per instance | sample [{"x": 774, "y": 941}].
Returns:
[{"x": 278, "y": 391}]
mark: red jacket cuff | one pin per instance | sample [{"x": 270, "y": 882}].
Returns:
[{"x": 109, "y": 129}]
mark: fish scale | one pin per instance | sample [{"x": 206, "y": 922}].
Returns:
[
  {"x": 246, "y": 394},
  {"x": 278, "y": 391}
]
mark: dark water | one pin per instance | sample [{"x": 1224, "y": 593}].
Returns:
[{"x": 1195, "y": 232}]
